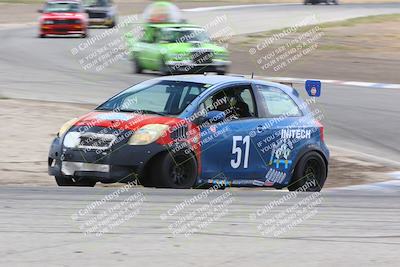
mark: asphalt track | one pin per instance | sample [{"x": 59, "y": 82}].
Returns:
[
  {"x": 350, "y": 227},
  {"x": 359, "y": 119},
  {"x": 347, "y": 228}
]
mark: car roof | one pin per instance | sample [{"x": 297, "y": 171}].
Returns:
[{"x": 217, "y": 79}]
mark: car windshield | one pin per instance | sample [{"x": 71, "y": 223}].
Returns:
[
  {"x": 155, "y": 97},
  {"x": 61, "y": 7},
  {"x": 184, "y": 35},
  {"x": 95, "y": 3}
]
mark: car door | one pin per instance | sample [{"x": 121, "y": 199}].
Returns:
[
  {"x": 154, "y": 50},
  {"x": 147, "y": 50},
  {"x": 228, "y": 147},
  {"x": 279, "y": 133}
]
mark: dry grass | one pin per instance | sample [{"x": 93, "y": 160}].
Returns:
[
  {"x": 364, "y": 49},
  {"x": 331, "y": 28}
]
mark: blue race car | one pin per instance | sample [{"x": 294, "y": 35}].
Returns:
[{"x": 195, "y": 131}]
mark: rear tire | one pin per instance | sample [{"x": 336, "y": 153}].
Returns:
[
  {"x": 42, "y": 35},
  {"x": 164, "y": 70},
  {"x": 67, "y": 181},
  {"x": 310, "y": 169},
  {"x": 175, "y": 171}
]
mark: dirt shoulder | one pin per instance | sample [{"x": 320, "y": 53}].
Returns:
[
  {"x": 362, "y": 49},
  {"x": 30, "y": 127}
]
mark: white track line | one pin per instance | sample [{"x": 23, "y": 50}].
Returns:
[
  {"x": 335, "y": 82},
  {"x": 366, "y": 155},
  {"x": 392, "y": 185},
  {"x": 211, "y": 8}
]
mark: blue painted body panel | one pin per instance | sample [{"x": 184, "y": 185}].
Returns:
[{"x": 275, "y": 145}]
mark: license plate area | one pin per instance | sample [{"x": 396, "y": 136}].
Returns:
[{"x": 69, "y": 168}]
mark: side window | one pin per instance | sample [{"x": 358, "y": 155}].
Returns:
[
  {"x": 188, "y": 95},
  {"x": 148, "y": 36},
  {"x": 234, "y": 101},
  {"x": 156, "y": 35},
  {"x": 147, "y": 99},
  {"x": 278, "y": 102},
  {"x": 247, "y": 98}
]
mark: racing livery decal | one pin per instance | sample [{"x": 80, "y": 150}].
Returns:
[{"x": 280, "y": 154}]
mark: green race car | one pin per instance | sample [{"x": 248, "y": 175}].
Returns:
[{"x": 176, "y": 48}]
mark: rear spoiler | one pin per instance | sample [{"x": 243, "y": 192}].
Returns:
[
  {"x": 287, "y": 84},
  {"x": 312, "y": 87}
]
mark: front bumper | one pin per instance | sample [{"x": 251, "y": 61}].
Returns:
[
  {"x": 189, "y": 66},
  {"x": 100, "y": 21},
  {"x": 63, "y": 29},
  {"x": 120, "y": 164}
]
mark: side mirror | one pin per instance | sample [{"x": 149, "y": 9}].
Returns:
[
  {"x": 214, "y": 116},
  {"x": 40, "y": 11}
]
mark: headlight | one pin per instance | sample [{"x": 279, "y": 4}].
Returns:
[
  {"x": 48, "y": 22},
  {"x": 66, "y": 126},
  {"x": 147, "y": 134}
]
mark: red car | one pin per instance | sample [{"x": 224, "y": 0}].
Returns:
[{"x": 63, "y": 17}]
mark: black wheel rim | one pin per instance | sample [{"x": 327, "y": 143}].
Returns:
[
  {"x": 312, "y": 173},
  {"x": 181, "y": 171}
]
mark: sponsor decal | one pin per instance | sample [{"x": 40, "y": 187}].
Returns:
[
  {"x": 295, "y": 133},
  {"x": 275, "y": 176},
  {"x": 114, "y": 116},
  {"x": 285, "y": 162},
  {"x": 267, "y": 183},
  {"x": 219, "y": 182},
  {"x": 258, "y": 183},
  {"x": 242, "y": 182},
  {"x": 213, "y": 128},
  {"x": 195, "y": 140},
  {"x": 280, "y": 154}
]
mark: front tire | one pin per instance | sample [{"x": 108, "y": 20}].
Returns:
[
  {"x": 164, "y": 70},
  {"x": 136, "y": 66},
  {"x": 175, "y": 171},
  {"x": 309, "y": 174},
  {"x": 113, "y": 24}
]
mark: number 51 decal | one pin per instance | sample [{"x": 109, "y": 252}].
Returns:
[{"x": 237, "y": 150}]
